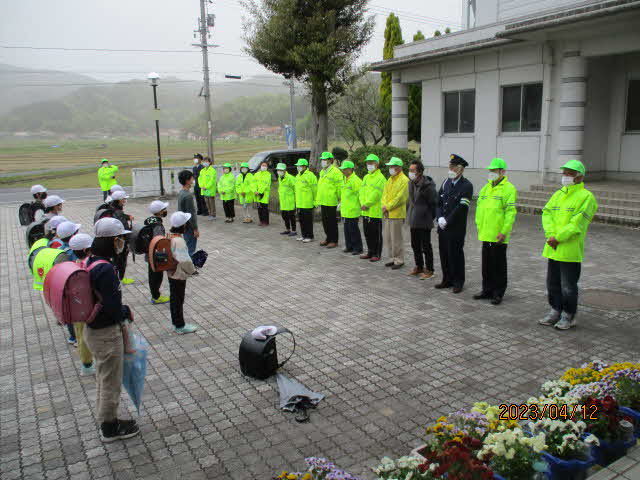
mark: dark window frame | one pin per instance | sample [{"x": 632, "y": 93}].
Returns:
[
  {"x": 522, "y": 87},
  {"x": 627, "y": 112},
  {"x": 459, "y": 120}
]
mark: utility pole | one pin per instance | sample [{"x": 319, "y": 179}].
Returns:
[
  {"x": 292, "y": 97},
  {"x": 205, "y": 22}
]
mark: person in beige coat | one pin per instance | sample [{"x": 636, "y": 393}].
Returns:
[{"x": 178, "y": 277}]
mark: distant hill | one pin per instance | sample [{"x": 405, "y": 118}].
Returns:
[{"x": 122, "y": 108}]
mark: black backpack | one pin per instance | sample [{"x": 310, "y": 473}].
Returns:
[
  {"x": 140, "y": 238},
  {"x": 103, "y": 213},
  {"x": 35, "y": 231},
  {"x": 27, "y": 212}
]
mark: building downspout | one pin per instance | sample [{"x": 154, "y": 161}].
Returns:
[{"x": 547, "y": 78}]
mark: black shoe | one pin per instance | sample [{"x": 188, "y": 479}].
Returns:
[
  {"x": 286, "y": 232},
  {"x": 481, "y": 296},
  {"x": 389, "y": 264},
  {"x": 195, "y": 273},
  {"x": 397, "y": 266},
  {"x": 357, "y": 253},
  {"x": 118, "y": 430},
  {"x": 347, "y": 250},
  {"x": 456, "y": 289},
  {"x": 497, "y": 300},
  {"x": 442, "y": 285}
]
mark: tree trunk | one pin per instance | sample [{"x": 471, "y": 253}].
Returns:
[{"x": 319, "y": 120}]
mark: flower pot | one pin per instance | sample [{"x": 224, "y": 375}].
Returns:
[
  {"x": 609, "y": 452},
  {"x": 635, "y": 415},
  {"x": 574, "y": 469}
]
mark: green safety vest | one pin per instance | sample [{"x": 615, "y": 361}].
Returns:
[
  {"x": 567, "y": 216},
  {"x": 287, "y": 192},
  {"x": 43, "y": 262},
  {"x": 496, "y": 211},
  {"x": 244, "y": 184},
  {"x": 371, "y": 193},
  {"x": 306, "y": 186},
  {"x": 262, "y": 184},
  {"x": 350, "y": 197},
  {"x": 105, "y": 175},
  {"x": 227, "y": 184},
  {"x": 329, "y": 186}
]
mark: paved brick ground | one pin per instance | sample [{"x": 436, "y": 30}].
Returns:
[{"x": 390, "y": 353}]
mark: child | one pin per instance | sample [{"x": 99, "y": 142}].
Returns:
[
  {"x": 80, "y": 245},
  {"x": 37, "y": 206},
  {"x": 52, "y": 206},
  {"x": 104, "y": 335},
  {"x": 244, "y": 189},
  {"x": 107, "y": 201},
  {"x": 159, "y": 211},
  {"x": 287, "y": 196},
  {"x": 64, "y": 232},
  {"x": 178, "y": 277},
  {"x": 227, "y": 189},
  {"x": 118, "y": 201}
]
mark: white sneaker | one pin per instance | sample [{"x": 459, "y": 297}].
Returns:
[
  {"x": 566, "y": 322},
  {"x": 307, "y": 240},
  {"x": 299, "y": 239},
  {"x": 551, "y": 319}
]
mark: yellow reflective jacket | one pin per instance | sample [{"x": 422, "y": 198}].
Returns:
[
  {"x": 43, "y": 262},
  {"x": 567, "y": 216},
  {"x": 329, "y": 186},
  {"x": 227, "y": 184},
  {"x": 496, "y": 211},
  {"x": 306, "y": 187},
  {"x": 287, "y": 192},
  {"x": 396, "y": 195},
  {"x": 244, "y": 184},
  {"x": 105, "y": 177},
  {"x": 262, "y": 184},
  {"x": 371, "y": 193},
  {"x": 350, "y": 197},
  {"x": 208, "y": 181}
]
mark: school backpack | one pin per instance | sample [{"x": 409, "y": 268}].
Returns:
[
  {"x": 160, "y": 256},
  {"x": 35, "y": 231},
  {"x": 68, "y": 291},
  {"x": 102, "y": 213},
  {"x": 140, "y": 238}
]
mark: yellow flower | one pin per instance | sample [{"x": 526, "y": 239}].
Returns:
[
  {"x": 441, "y": 419},
  {"x": 307, "y": 476},
  {"x": 449, "y": 427},
  {"x": 291, "y": 476}
]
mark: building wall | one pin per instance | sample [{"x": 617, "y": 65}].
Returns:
[{"x": 491, "y": 11}]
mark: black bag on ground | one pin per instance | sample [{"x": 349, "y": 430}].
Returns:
[
  {"x": 199, "y": 258},
  {"x": 259, "y": 358}
]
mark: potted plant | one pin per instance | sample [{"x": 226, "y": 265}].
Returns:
[
  {"x": 614, "y": 429},
  {"x": 513, "y": 455},
  {"x": 405, "y": 467},
  {"x": 457, "y": 460},
  {"x": 627, "y": 392},
  {"x": 568, "y": 450},
  {"x": 317, "y": 469}
]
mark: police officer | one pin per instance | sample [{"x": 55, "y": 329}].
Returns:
[{"x": 454, "y": 199}]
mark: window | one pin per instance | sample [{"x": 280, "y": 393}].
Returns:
[
  {"x": 522, "y": 108},
  {"x": 459, "y": 111},
  {"x": 633, "y": 106}
]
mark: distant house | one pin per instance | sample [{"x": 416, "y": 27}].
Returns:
[
  {"x": 228, "y": 136},
  {"x": 535, "y": 82},
  {"x": 265, "y": 131}
]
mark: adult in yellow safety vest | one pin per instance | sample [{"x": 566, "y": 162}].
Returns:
[
  {"x": 306, "y": 189},
  {"x": 208, "y": 181},
  {"x": 394, "y": 211},
  {"x": 287, "y": 197},
  {"x": 262, "y": 185},
  {"x": 371, "y": 205},
  {"x": 106, "y": 177},
  {"x": 328, "y": 197},
  {"x": 245, "y": 189},
  {"x": 227, "y": 190},
  {"x": 565, "y": 220},
  {"x": 350, "y": 208},
  {"x": 495, "y": 214}
]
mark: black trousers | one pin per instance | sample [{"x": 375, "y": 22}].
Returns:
[
  {"x": 155, "y": 282},
  {"x": 305, "y": 217},
  {"x": 562, "y": 285},
  {"x": 422, "y": 249},
  {"x": 373, "y": 234},
  {"x": 104, "y": 195},
  {"x": 229, "y": 208},
  {"x": 494, "y": 268},
  {"x": 263, "y": 213},
  {"x": 289, "y": 217},
  {"x": 201, "y": 205},
  {"x": 120, "y": 262},
  {"x": 176, "y": 301},
  {"x": 352, "y": 237},
  {"x": 330, "y": 223},
  {"x": 451, "y": 246}
]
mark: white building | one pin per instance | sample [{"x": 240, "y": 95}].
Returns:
[{"x": 534, "y": 82}]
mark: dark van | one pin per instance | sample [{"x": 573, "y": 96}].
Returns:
[{"x": 274, "y": 157}]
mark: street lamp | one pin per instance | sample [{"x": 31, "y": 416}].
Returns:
[{"x": 153, "y": 77}]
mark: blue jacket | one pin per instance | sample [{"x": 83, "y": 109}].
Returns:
[{"x": 453, "y": 205}]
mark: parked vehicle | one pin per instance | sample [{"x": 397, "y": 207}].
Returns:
[{"x": 273, "y": 157}]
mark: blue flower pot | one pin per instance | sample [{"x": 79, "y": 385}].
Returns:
[
  {"x": 497, "y": 477},
  {"x": 635, "y": 415},
  {"x": 575, "y": 469},
  {"x": 609, "y": 452}
]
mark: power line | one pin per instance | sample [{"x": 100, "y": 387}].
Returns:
[
  {"x": 118, "y": 50},
  {"x": 401, "y": 13}
]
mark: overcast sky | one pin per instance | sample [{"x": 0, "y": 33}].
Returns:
[{"x": 165, "y": 25}]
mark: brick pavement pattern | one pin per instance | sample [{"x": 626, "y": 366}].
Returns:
[{"x": 390, "y": 353}]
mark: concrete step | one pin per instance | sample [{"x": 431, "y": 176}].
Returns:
[
  {"x": 602, "y": 201},
  {"x": 624, "y": 191},
  {"x": 603, "y": 208},
  {"x": 535, "y": 208}
]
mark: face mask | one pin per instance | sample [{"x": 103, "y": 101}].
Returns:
[
  {"x": 226, "y": 170},
  {"x": 493, "y": 176},
  {"x": 371, "y": 168},
  {"x": 195, "y": 160},
  {"x": 119, "y": 245},
  {"x": 105, "y": 164},
  {"x": 393, "y": 171},
  {"x": 413, "y": 175},
  {"x": 566, "y": 180},
  {"x": 263, "y": 168},
  {"x": 324, "y": 163},
  {"x": 244, "y": 170},
  {"x": 280, "y": 173},
  {"x": 206, "y": 164},
  {"x": 300, "y": 169},
  {"x": 452, "y": 174}
]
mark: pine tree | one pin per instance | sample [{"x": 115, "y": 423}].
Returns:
[{"x": 392, "y": 37}]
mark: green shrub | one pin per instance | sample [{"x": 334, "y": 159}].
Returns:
[{"x": 385, "y": 153}]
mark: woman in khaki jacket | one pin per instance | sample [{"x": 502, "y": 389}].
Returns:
[{"x": 178, "y": 277}]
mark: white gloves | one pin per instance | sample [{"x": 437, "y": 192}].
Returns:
[{"x": 442, "y": 223}]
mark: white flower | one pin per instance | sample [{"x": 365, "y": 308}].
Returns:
[
  {"x": 592, "y": 441},
  {"x": 409, "y": 476}
]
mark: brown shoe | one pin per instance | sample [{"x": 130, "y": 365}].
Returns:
[
  {"x": 365, "y": 256},
  {"x": 332, "y": 245},
  {"x": 456, "y": 289},
  {"x": 427, "y": 274},
  {"x": 415, "y": 272},
  {"x": 324, "y": 243}
]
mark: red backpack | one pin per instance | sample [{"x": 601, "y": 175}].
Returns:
[
  {"x": 68, "y": 291},
  {"x": 160, "y": 256}
]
